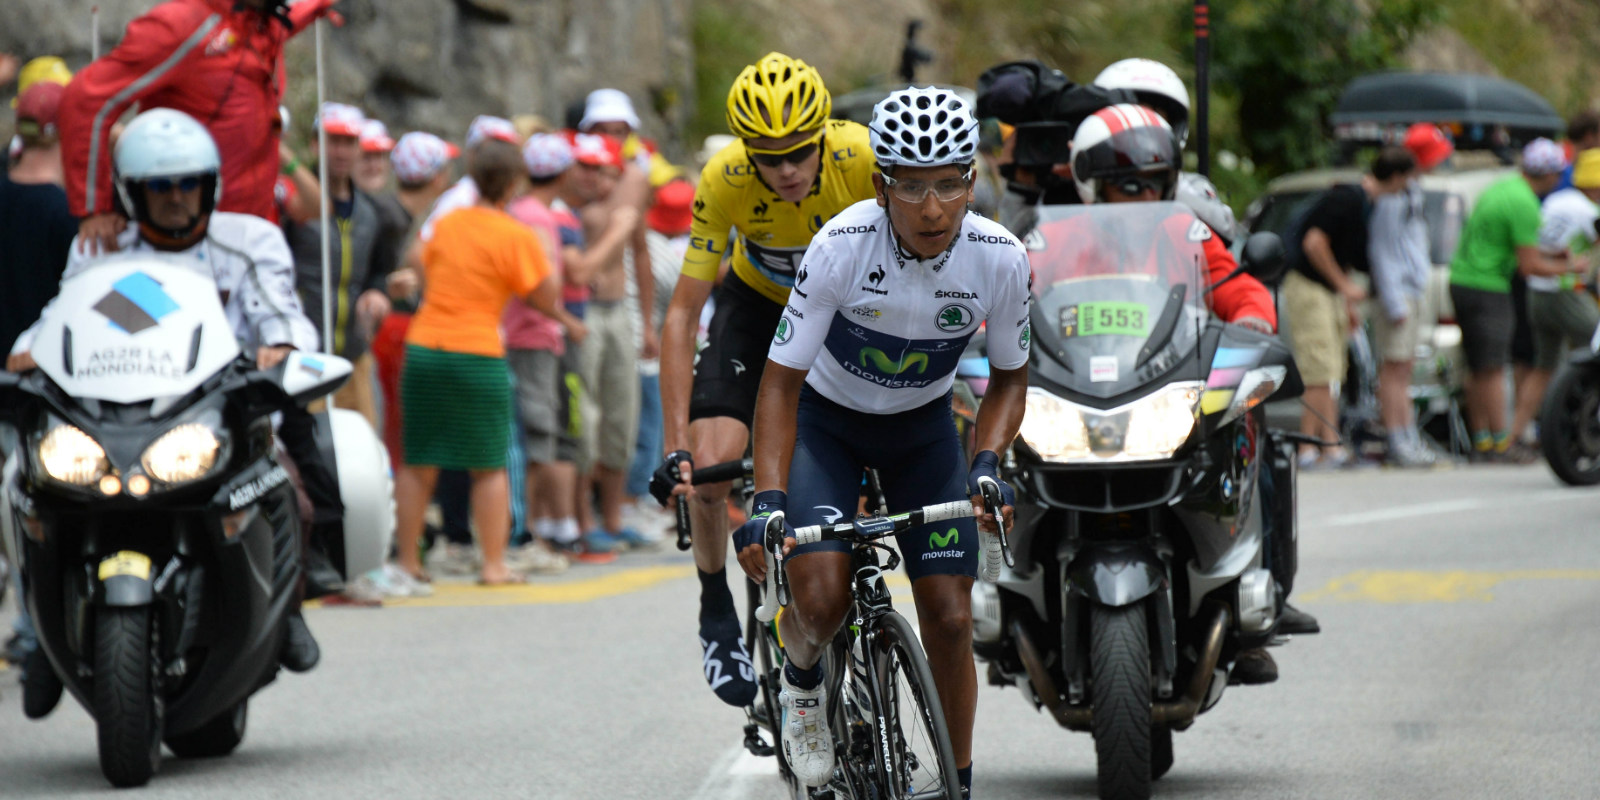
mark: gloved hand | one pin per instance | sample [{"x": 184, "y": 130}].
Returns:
[
  {"x": 669, "y": 475},
  {"x": 986, "y": 465},
  {"x": 1256, "y": 324},
  {"x": 749, "y": 539}
]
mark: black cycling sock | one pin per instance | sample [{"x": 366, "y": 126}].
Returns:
[
  {"x": 804, "y": 679},
  {"x": 715, "y": 599},
  {"x": 964, "y": 775}
]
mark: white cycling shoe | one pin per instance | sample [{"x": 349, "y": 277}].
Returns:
[{"x": 807, "y": 742}]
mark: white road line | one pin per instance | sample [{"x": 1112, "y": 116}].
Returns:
[
  {"x": 1445, "y": 507},
  {"x": 738, "y": 775}
]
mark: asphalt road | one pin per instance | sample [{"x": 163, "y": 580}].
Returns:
[{"x": 1457, "y": 661}]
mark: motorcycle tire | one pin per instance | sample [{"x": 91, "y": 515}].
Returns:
[
  {"x": 128, "y": 708},
  {"x": 1569, "y": 426},
  {"x": 218, "y": 737},
  {"x": 1119, "y": 678}
]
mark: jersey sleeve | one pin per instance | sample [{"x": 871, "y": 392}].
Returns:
[
  {"x": 1525, "y": 221},
  {"x": 1010, "y": 334},
  {"x": 708, "y": 233},
  {"x": 804, "y": 325},
  {"x": 1244, "y": 296}
]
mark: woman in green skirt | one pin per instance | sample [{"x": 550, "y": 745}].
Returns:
[{"x": 455, "y": 389}]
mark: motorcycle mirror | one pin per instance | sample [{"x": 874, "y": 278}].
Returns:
[
  {"x": 1263, "y": 256},
  {"x": 304, "y": 377}
]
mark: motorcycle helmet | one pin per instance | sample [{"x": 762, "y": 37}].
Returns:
[
  {"x": 166, "y": 143},
  {"x": 1200, "y": 195},
  {"x": 1156, "y": 86},
  {"x": 928, "y": 127},
  {"x": 775, "y": 97},
  {"x": 1124, "y": 143}
]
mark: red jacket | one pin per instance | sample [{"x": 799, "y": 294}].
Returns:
[
  {"x": 1244, "y": 296},
  {"x": 219, "y": 65}
]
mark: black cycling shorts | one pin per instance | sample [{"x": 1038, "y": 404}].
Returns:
[
  {"x": 919, "y": 462},
  {"x": 727, "y": 372}
]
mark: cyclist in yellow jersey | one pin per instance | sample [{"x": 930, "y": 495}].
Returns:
[{"x": 790, "y": 172}]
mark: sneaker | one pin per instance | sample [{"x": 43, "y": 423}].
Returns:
[
  {"x": 577, "y": 551},
  {"x": 1519, "y": 453},
  {"x": 1254, "y": 667},
  {"x": 450, "y": 558},
  {"x": 534, "y": 557},
  {"x": 807, "y": 742},
  {"x": 726, "y": 661},
  {"x": 1412, "y": 456},
  {"x": 392, "y": 581},
  {"x": 638, "y": 541},
  {"x": 599, "y": 541}
]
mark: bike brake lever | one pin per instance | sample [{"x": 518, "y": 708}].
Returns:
[
  {"x": 776, "y": 594},
  {"x": 993, "y": 503}
]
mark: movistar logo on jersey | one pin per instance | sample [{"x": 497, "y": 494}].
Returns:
[
  {"x": 884, "y": 363},
  {"x": 951, "y": 537}
]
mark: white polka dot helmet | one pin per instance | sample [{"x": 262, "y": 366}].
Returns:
[{"x": 923, "y": 128}]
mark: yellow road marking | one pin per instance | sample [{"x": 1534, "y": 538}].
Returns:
[{"x": 1398, "y": 586}]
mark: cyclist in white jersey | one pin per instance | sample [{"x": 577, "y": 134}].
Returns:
[{"x": 859, "y": 375}]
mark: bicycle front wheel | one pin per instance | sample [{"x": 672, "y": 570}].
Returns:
[{"x": 912, "y": 744}]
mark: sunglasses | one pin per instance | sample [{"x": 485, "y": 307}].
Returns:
[
  {"x": 946, "y": 189},
  {"x": 796, "y": 154},
  {"x": 1134, "y": 185},
  {"x": 164, "y": 185}
]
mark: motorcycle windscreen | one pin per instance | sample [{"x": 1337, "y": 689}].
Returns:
[
  {"x": 135, "y": 328},
  {"x": 1119, "y": 291}
]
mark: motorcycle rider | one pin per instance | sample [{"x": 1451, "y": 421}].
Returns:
[
  {"x": 833, "y": 401},
  {"x": 1130, "y": 154},
  {"x": 168, "y": 175},
  {"x": 791, "y": 170}
]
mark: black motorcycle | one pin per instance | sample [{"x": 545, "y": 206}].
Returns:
[
  {"x": 156, "y": 530},
  {"x": 1140, "y": 542},
  {"x": 1569, "y": 421}
]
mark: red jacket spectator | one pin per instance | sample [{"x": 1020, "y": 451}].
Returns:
[{"x": 216, "y": 60}]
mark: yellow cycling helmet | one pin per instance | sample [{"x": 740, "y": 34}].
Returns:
[
  {"x": 43, "y": 68},
  {"x": 775, "y": 97}
]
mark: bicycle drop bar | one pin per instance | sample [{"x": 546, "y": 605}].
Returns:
[
  {"x": 864, "y": 529},
  {"x": 993, "y": 503},
  {"x": 715, "y": 473}
]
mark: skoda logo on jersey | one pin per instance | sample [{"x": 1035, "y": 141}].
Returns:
[
  {"x": 1026, "y": 337},
  {"x": 784, "y": 332},
  {"x": 136, "y": 303},
  {"x": 954, "y": 317}
]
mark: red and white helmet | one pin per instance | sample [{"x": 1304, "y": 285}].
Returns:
[
  {"x": 1124, "y": 142},
  {"x": 1156, "y": 85}
]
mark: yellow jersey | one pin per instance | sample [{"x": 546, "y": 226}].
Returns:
[{"x": 772, "y": 235}]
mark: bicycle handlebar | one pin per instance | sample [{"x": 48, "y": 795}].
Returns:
[
  {"x": 864, "y": 529},
  {"x": 715, "y": 473}
]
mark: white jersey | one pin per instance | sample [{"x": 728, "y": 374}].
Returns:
[
  {"x": 250, "y": 262},
  {"x": 1569, "y": 220},
  {"x": 882, "y": 333}
]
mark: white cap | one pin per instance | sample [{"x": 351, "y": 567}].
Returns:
[
  {"x": 608, "y": 105},
  {"x": 486, "y": 127}
]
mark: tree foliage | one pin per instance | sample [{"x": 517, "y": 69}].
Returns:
[{"x": 1282, "y": 64}]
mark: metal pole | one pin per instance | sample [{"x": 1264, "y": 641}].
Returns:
[
  {"x": 94, "y": 33},
  {"x": 1202, "y": 85},
  {"x": 322, "y": 180}
]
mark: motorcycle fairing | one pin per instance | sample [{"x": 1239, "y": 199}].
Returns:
[{"x": 133, "y": 329}]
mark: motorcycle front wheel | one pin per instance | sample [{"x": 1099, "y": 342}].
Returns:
[
  {"x": 128, "y": 709},
  {"x": 1569, "y": 426},
  {"x": 1119, "y": 677}
]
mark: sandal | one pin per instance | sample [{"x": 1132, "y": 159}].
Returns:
[{"x": 513, "y": 580}]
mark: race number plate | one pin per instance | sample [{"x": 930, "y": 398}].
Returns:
[
  {"x": 1105, "y": 318},
  {"x": 126, "y": 562}
]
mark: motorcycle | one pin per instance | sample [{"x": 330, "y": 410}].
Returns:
[
  {"x": 153, "y": 522},
  {"x": 1569, "y": 420},
  {"x": 1140, "y": 535}
]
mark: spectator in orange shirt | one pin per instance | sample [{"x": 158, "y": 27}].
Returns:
[{"x": 454, "y": 389}]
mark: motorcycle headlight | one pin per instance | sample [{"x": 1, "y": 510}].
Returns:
[
  {"x": 69, "y": 455},
  {"x": 1150, "y": 428},
  {"x": 182, "y": 454}
]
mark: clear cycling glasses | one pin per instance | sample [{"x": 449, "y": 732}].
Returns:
[{"x": 946, "y": 189}]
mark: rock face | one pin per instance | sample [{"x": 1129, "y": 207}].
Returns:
[{"x": 434, "y": 64}]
